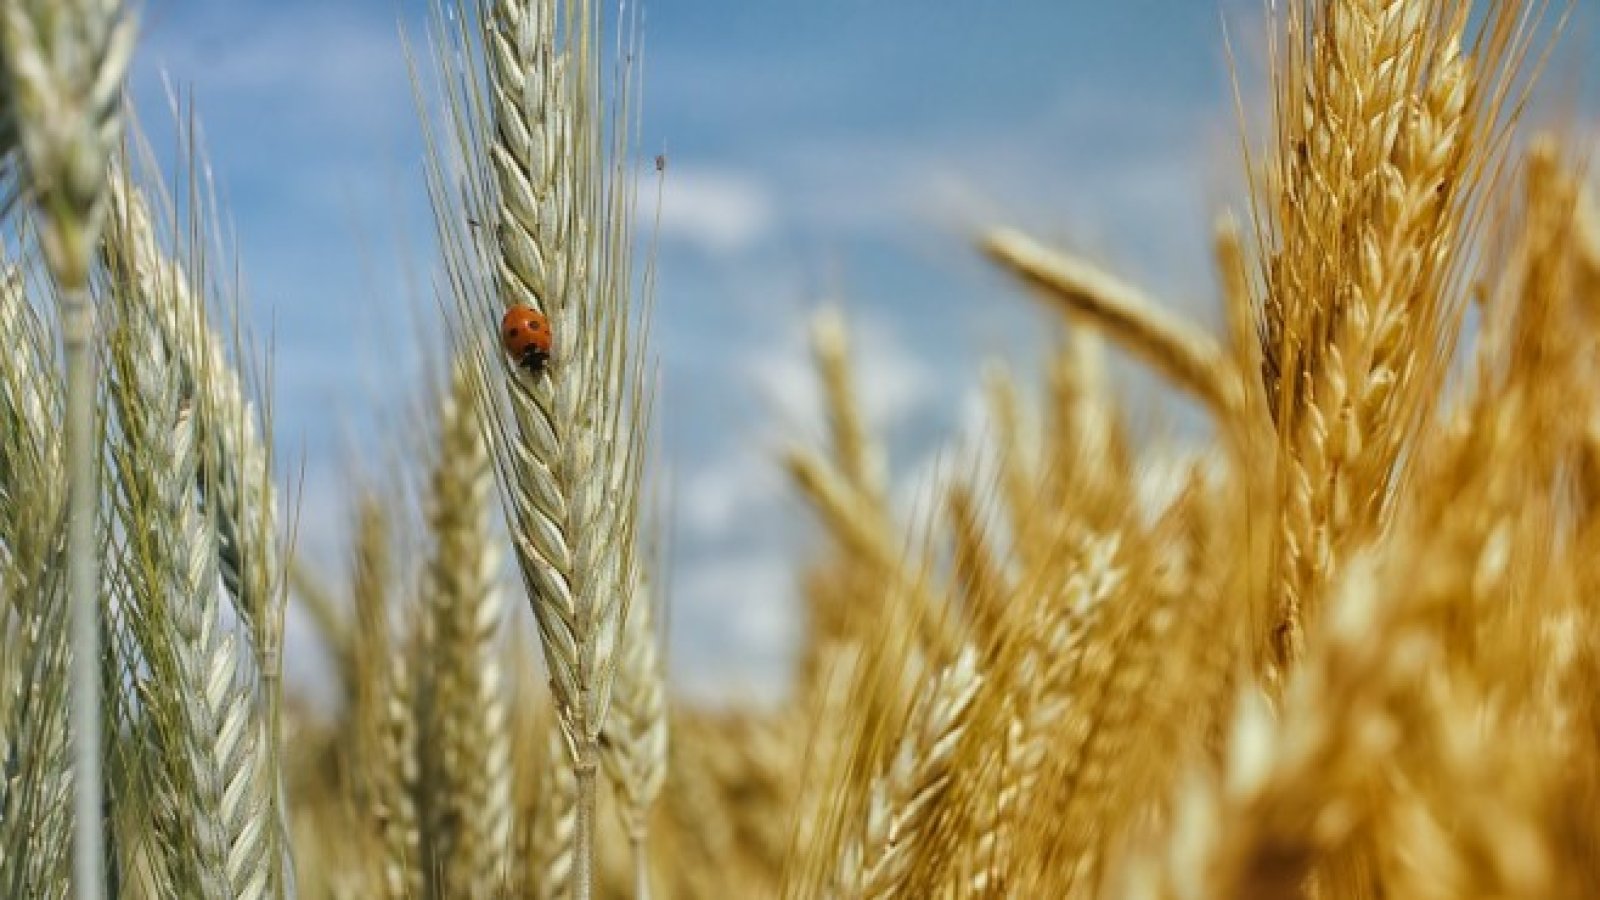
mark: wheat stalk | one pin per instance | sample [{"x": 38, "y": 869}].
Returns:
[{"x": 63, "y": 65}]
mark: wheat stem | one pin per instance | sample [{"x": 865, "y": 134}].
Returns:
[{"x": 83, "y": 582}]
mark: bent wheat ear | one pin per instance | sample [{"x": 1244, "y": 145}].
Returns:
[
  {"x": 1175, "y": 348},
  {"x": 903, "y": 799}
]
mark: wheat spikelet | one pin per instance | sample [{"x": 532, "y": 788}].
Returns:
[
  {"x": 466, "y": 724},
  {"x": 634, "y": 746}
]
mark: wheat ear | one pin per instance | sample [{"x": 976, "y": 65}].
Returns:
[
  {"x": 1189, "y": 357},
  {"x": 467, "y": 716},
  {"x": 555, "y": 826},
  {"x": 1389, "y": 131},
  {"x": 63, "y": 65},
  {"x": 234, "y": 475},
  {"x": 385, "y": 749},
  {"x": 547, "y": 162},
  {"x": 634, "y": 743},
  {"x": 859, "y": 458},
  {"x": 36, "y": 828},
  {"x": 213, "y": 818}
]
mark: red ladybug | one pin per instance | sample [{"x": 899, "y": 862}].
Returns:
[{"x": 525, "y": 333}]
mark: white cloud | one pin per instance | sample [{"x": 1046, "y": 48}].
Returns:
[
  {"x": 720, "y": 496},
  {"x": 716, "y": 210},
  {"x": 735, "y": 625}
]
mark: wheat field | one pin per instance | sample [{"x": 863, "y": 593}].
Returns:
[{"x": 1355, "y": 653}]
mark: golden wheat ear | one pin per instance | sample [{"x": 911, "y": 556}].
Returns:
[{"x": 1392, "y": 125}]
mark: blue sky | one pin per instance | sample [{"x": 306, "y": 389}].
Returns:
[{"x": 832, "y": 149}]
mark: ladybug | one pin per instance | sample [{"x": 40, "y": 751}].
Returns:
[{"x": 525, "y": 333}]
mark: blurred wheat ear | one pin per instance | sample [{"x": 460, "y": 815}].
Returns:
[
  {"x": 537, "y": 148},
  {"x": 634, "y": 748},
  {"x": 60, "y": 87},
  {"x": 465, "y": 720}
]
